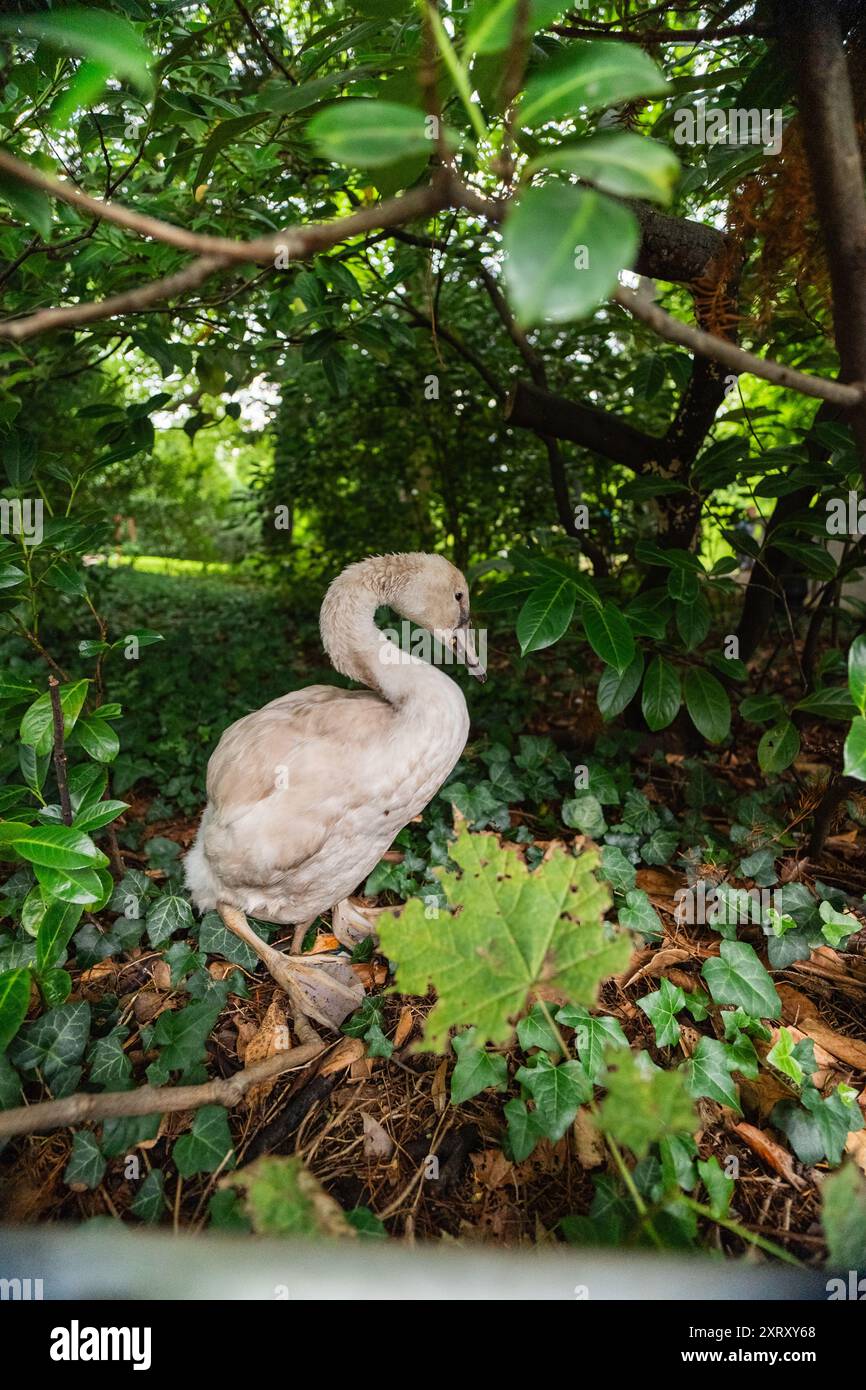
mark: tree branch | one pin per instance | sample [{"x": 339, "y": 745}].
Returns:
[
  {"x": 739, "y": 361},
  {"x": 151, "y": 1100},
  {"x": 811, "y": 34},
  {"x": 529, "y": 407},
  {"x": 60, "y": 751}
]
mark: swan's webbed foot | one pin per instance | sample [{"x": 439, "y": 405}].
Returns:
[
  {"x": 351, "y": 924},
  {"x": 322, "y": 987}
]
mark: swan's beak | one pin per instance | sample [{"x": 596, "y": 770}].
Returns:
[{"x": 463, "y": 644}]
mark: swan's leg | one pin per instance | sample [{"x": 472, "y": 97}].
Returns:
[
  {"x": 299, "y": 935},
  {"x": 351, "y": 924},
  {"x": 321, "y": 987}
]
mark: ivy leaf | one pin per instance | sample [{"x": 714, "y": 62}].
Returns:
[
  {"x": 837, "y": 925},
  {"x": 639, "y": 915},
  {"x": 708, "y": 1073},
  {"x": 660, "y": 846},
  {"x": 558, "y": 1091},
  {"x": 620, "y": 873},
  {"x": 644, "y": 1104},
  {"x": 781, "y": 1056},
  {"x": 817, "y": 1128},
  {"x": 208, "y": 1146},
  {"x": 181, "y": 1034},
  {"x": 533, "y": 1030},
  {"x": 215, "y": 939},
  {"x": 737, "y": 977},
  {"x": 720, "y": 1188},
  {"x": 148, "y": 1204},
  {"x": 476, "y": 1069},
  {"x": 86, "y": 1166},
  {"x": 168, "y": 915},
  {"x": 523, "y": 1130},
  {"x": 594, "y": 1035},
  {"x": 584, "y": 813},
  {"x": 662, "y": 1007},
  {"x": 110, "y": 1067},
  {"x": 53, "y": 1042},
  {"x": 517, "y": 930}
]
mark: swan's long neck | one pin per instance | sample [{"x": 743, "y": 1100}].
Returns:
[{"x": 356, "y": 646}]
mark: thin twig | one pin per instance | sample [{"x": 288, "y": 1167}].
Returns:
[
  {"x": 60, "y": 751},
  {"x": 151, "y": 1100}
]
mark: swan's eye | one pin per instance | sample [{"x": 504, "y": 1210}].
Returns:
[{"x": 459, "y": 597}]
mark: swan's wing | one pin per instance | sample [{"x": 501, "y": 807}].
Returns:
[{"x": 280, "y": 777}]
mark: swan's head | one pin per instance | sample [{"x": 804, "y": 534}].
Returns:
[{"x": 434, "y": 594}]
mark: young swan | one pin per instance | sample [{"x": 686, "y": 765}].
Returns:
[{"x": 305, "y": 795}]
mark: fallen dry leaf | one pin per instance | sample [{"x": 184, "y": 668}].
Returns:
[
  {"x": 588, "y": 1143},
  {"x": 770, "y": 1153},
  {"x": 378, "y": 1143},
  {"x": 345, "y": 1053},
  {"x": 405, "y": 1024},
  {"x": 272, "y": 1036},
  {"x": 492, "y": 1169}
]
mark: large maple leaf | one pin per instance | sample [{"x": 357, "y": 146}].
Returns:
[{"x": 511, "y": 931}]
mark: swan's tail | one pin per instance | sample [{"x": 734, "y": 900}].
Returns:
[{"x": 201, "y": 880}]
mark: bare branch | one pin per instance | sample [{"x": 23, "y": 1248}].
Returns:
[
  {"x": 60, "y": 751},
  {"x": 739, "y": 361},
  {"x": 151, "y": 1100}
]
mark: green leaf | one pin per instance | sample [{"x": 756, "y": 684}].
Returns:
[
  {"x": 168, "y": 915},
  {"x": 693, "y": 621},
  {"x": 644, "y": 1104},
  {"x": 558, "y": 1092},
  {"x": 584, "y": 813},
  {"x": 369, "y": 133},
  {"x": 781, "y": 1056},
  {"x": 490, "y": 27},
  {"x": 616, "y": 690},
  {"x": 737, "y": 977},
  {"x": 708, "y": 1074},
  {"x": 855, "y": 750},
  {"x": 639, "y": 915},
  {"x": 708, "y": 704},
  {"x": 102, "y": 37},
  {"x": 757, "y": 709},
  {"x": 14, "y": 1000},
  {"x": 98, "y": 739},
  {"x": 517, "y": 929},
  {"x": 533, "y": 1030},
  {"x": 208, "y": 1147},
  {"x": 843, "y": 1215},
  {"x": 181, "y": 1035},
  {"x": 282, "y": 1198},
  {"x": 148, "y": 1204},
  {"x": 57, "y": 847},
  {"x": 720, "y": 1188},
  {"x": 818, "y": 1128},
  {"x": 523, "y": 1130},
  {"x": 618, "y": 162},
  {"x": 661, "y": 695},
  {"x": 565, "y": 247},
  {"x": 545, "y": 615},
  {"x": 660, "y": 847},
  {"x": 37, "y": 725},
  {"x": 215, "y": 939},
  {"x": 476, "y": 1068},
  {"x": 594, "y": 1037},
  {"x": 837, "y": 925},
  {"x": 110, "y": 1067},
  {"x": 31, "y": 205},
  {"x": 86, "y": 1166},
  {"x": 830, "y": 702},
  {"x": 857, "y": 673},
  {"x": 99, "y": 814},
  {"x": 54, "y": 1042},
  {"x": 591, "y": 75},
  {"x": 778, "y": 747},
  {"x": 610, "y": 636},
  {"x": 55, "y": 930},
  {"x": 661, "y": 1008},
  {"x": 620, "y": 873}
]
